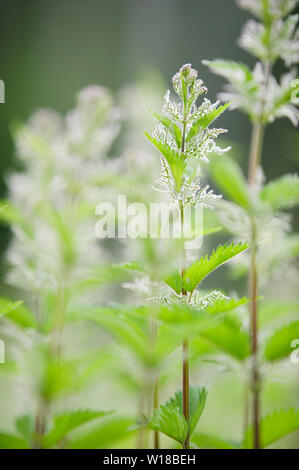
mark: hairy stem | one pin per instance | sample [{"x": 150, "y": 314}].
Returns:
[
  {"x": 255, "y": 381},
  {"x": 255, "y": 156},
  {"x": 185, "y": 371},
  {"x": 255, "y": 151},
  {"x": 254, "y": 162}
]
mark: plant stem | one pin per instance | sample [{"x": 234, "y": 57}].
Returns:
[
  {"x": 255, "y": 151},
  {"x": 185, "y": 371},
  {"x": 246, "y": 409},
  {"x": 40, "y": 424},
  {"x": 255, "y": 154},
  {"x": 254, "y": 162}
]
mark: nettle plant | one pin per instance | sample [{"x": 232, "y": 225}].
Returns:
[
  {"x": 258, "y": 210},
  {"x": 175, "y": 311},
  {"x": 184, "y": 137},
  {"x": 54, "y": 259}
]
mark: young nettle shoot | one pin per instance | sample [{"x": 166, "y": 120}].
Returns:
[{"x": 185, "y": 138}]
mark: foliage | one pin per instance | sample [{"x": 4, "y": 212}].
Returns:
[{"x": 169, "y": 418}]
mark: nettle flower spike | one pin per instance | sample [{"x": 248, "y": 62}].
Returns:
[{"x": 183, "y": 134}]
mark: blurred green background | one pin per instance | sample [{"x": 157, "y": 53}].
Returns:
[{"x": 52, "y": 48}]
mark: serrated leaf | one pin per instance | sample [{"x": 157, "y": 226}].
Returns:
[
  {"x": 67, "y": 422},
  {"x": 197, "y": 400},
  {"x": 235, "y": 72},
  {"x": 282, "y": 193},
  {"x": 204, "y": 121},
  {"x": 175, "y": 282},
  {"x": 244, "y": 89},
  {"x": 175, "y": 160},
  {"x": 229, "y": 178},
  {"x": 171, "y": 125},
  {"x": 278, "y": 346},
  {"x": 273, "y": 427},
  {"x": 169, "y": 418},
  {"x": 201, "y": 268}
]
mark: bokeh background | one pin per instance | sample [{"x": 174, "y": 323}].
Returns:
[{"x": 52, "y": 48}]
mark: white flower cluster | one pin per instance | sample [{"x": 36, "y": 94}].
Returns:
[
  {"x": 185, "y": 134},
  {"x": 198, "y": 301},
  {"x": 277, "y": 8}
]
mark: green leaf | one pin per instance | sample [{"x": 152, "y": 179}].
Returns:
[
  {"x": 123, "y": 328},
  {"x": 244, "y": 91},
  {"x": 273, "y": 427},
  {"x": 175, "y": 282},
  {"x": 229, "y": 178},
  {"x": 236, "y": 72},
  {"x": 201, "y": 268},
  {"x": 197, "y": 400},
  {"x": 206, "y": 441},
  {"x": 106, "y": 274},
  {"x": 9, "y": 441},
  {"x": 228, "y": 336},
  {"x": 282, "y": 193},
  {"x": 25, "y": 426},
  {"x": 171, "y": 125},
  {"x": 169, "y": 418},
  {"x": 270, "y": 311},
  {"x": 109, "y": 432},
  {"x": 17, "y": 313},
  {"x": 204, "y": 121},
  {"x": 9, "y": 214},
  {"x": 175, "y": 160},
  {"x": 278, "y": 346},
  {"x": 67, "y": 422},
  {"x": 224, "y": 306},
  {"x": 7, "y": 306}
]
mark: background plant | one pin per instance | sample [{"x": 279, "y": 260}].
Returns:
[
  {"x": 264, "y": 99},
  {"x": 55, "y": 259}
]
